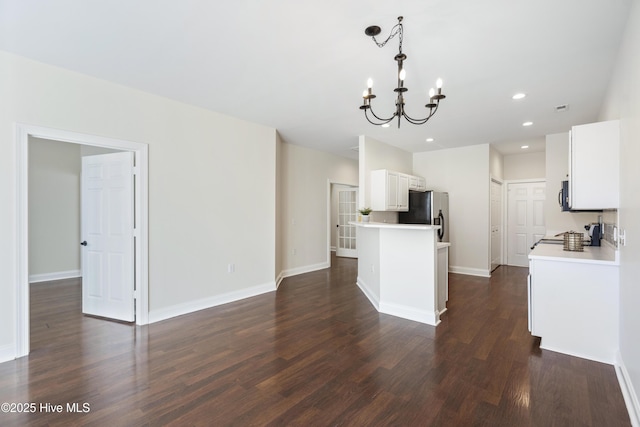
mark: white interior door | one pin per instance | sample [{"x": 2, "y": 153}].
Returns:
[
  {"x": 107, "y": 213},
  {"x": 496, "y": 224},
  {"x": 347, "y": 212},
  {"x": 526, "y": 224}
]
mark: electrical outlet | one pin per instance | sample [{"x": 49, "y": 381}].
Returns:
[
  {"x": 622, "y": 237},
  {"x": 373, "y": 268},
  {"x": 231, "y": 268},
  {"x": 294, "y": 251}
]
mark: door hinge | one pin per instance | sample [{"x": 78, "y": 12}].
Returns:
[{"x": 136, "y": 294}]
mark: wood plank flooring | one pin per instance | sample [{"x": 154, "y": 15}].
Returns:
[{"x": 314, "y": 353}]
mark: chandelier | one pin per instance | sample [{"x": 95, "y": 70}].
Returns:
[{"x": 435, "y": 95}]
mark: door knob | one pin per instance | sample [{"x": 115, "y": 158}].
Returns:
[{"x": 83, "y": 243}]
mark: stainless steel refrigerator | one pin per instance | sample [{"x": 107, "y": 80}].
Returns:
[{"x": 429, "y": 207}]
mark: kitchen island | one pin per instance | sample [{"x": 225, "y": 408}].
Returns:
[{"x": 398, "y": 269}]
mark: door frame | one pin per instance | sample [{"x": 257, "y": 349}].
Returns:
[
  {"x": 22, "y": 132},
  {"x": 330, "y": 230},
  {"x": 503, "y": 215}
]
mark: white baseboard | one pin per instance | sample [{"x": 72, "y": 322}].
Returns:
[
  {"x": 410, "y": 313},
  {"x": 59, "y": 275},
  {"x": 305, "y": 269},
  {"x": 373, "y": 299},
  {"x": 601, "y": 358},
  {"x": 469, "y": 271},
  {"x": 202, "y": 304},
  {"x": 279, "y": 280},
  {"x": 628, "y": 392},
  {"x": 7, "y": 353}
]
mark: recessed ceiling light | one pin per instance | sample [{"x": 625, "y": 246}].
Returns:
[
  {"x": 527, "y": 123},
  {"x": 430, "y": 140},
  {"x": 519, "y": 95},
  {"x": 524, "y": 147},
  {"x": 386, "y": 125}
]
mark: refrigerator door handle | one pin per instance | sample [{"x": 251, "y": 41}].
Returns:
[{"x": 442, "y": 225}]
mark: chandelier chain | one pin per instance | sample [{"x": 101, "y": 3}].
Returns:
[{"x": 397, "y": 29}]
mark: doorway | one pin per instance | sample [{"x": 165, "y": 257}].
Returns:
[
  {"x": 342, "y": 201},
  {"x": 496, "y": 223},
  {"x": 140, "y": 151},
  {"x": 525, "y": 219}
]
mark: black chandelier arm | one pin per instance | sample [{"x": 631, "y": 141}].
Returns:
[
  {"x": 384, "y": 121},
  {"x": 420, "y": 121}
]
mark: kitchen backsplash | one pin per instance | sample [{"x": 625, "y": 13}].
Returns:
[{"x": 610, "y": 224}]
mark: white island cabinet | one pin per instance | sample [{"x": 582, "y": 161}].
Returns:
[
  {"x": 573, "y": 301},
  {"x": 398, "y": 270}
]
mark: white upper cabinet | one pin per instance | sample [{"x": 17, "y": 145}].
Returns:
[
  {"x": 417, "y": 183},
  {"x": 594, "y": 164},
  {"x": 390, "y": 190}
]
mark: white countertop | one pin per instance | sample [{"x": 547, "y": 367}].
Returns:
[
  {"x": 604, "y": 254},
  {"x": 396, "y": 226}
]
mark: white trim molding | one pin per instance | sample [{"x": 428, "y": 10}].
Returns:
[
  {"x": 628, "y": 392},
  {"x": 410, "y": 313},
  {"x": 373, "y": 299},
  {"x": 203, "y": 304},
  {"x": 304, "y": 269},
  {"x": 58, "y": 275},
  {"x": 469, "y": 271}
]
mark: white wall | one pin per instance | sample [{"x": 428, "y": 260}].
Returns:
[
  {"x": 304, "y": 205},
  {"x": 525, "y": 166},
  {"x": 54, "y": 209},
  {"x": 557, "y": 168},
  {"x": 212, "y": 184},
  {"x": 624, "y": 104},
  {"x": 374, "y": 155},
  {"x": 464, "y": 174},
  {"x": 496, "y": 164}
]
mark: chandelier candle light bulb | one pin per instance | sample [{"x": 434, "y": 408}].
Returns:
[{"x": 434, "y": 98}]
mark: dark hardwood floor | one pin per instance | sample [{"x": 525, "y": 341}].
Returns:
[{"x": 313, "y": 353}]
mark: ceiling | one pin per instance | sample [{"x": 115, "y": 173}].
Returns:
[{"x": 301, "y": 66}]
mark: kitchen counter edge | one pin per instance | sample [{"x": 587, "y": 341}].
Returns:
[
  {"x": 605, "y": 254},
  {"x": 396, "y": 226}
]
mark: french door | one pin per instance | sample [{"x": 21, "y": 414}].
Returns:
[{"x": 347, "y": 212}]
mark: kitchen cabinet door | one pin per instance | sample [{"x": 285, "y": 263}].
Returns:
[
  {"x": 389, "y": 191},
  {"x": 594, "y": 163},
  {"x": 403, "y": 192}
]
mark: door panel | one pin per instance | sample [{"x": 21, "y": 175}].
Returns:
[
  {"x": 107, "y": 228},
  {"x": 347, "y": 212},
  {"x": 526, "y": 222}
]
